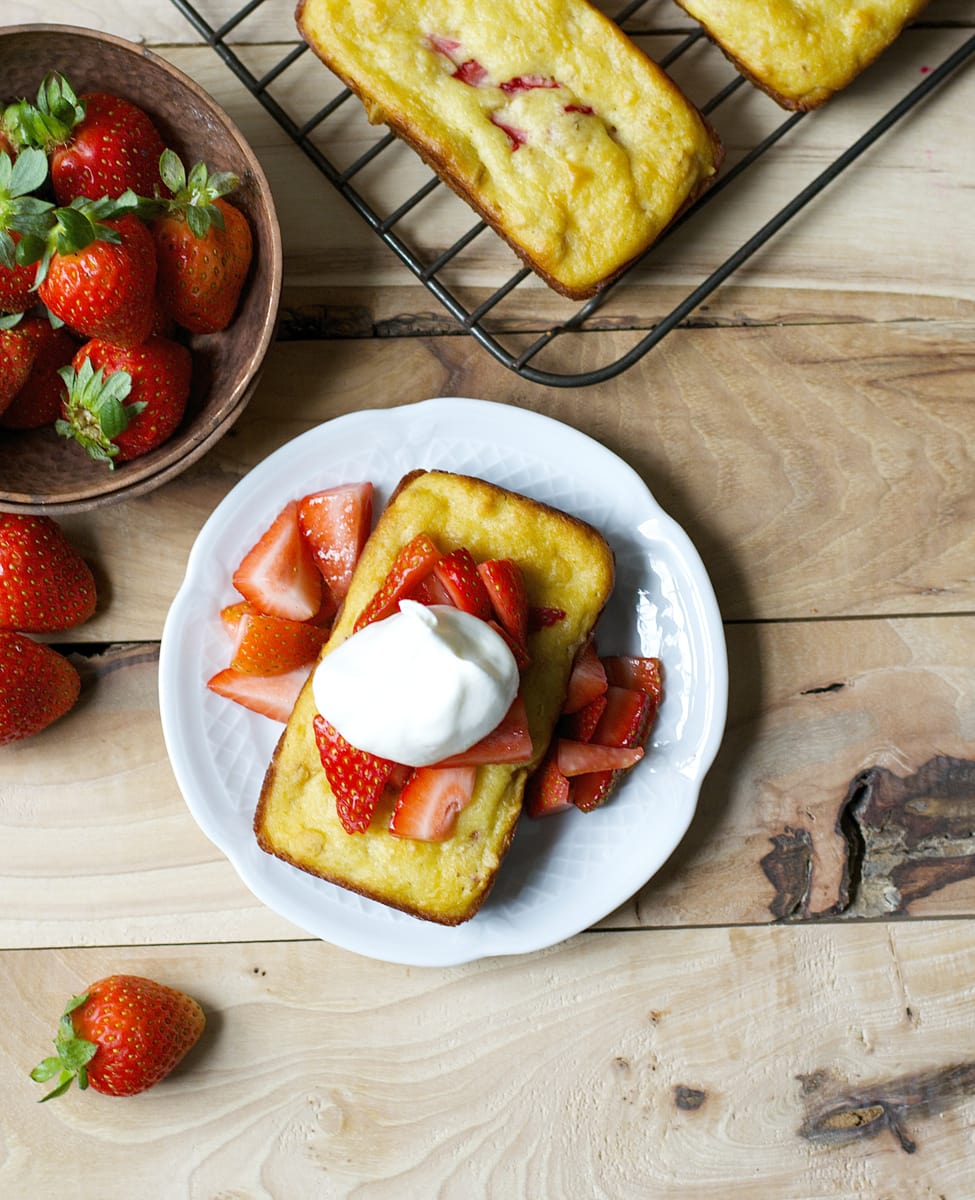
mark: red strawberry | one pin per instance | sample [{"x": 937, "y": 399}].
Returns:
[
  {"x": 541, "y": 617},
  {"x": 230, "y": 615},
  {"x": 37, "y": 686},
  {"x": 580, "y": 758},
  {"x": 101, "y": 277},
  {"x": 272, "y": 696},
  {"x": 18, "y": 349},
  {"x": 98, "y": 144},
  {"x": 505, "y": 585},
  {"x": 357, "y": 778},
  {"x": 412, "y": 564},
  {"x": 122, "y": 1035},
  {"x": 40, "y": 401},
  {"x": 20, "y": 213},
  {"x": 547, "y": 790},
  {"x": 278, "y": 574},
  {"x": 273, "y": 646},
  {"x": 509, "y": 742},
  {"x": 633, "y": 671},
  {"x": 626, "y": 723},
  {"x": 45, "y": 584},
  {"x": 335, "y": 523},
  {"x": 458, "y": 573},
  {"x": 587, "y": 680},
  {"x": 581, "y": 725},
  {"x": 430, "y": 802},
  {"x": 204, "y": 247},
  {"x": 123, "y": 402}
]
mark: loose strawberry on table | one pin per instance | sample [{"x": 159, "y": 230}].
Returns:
[
  {"x": 45, "y": 584},
  {"x": 37, "y": 686},
  {"x": 121, "y": 1036},
  {"x": 99, "y": 144}
]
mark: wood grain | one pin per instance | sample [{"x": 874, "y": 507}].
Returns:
[{"x": 586, "y": 1072}]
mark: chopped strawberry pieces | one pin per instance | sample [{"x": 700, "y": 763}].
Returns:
[
  {"x": 505, "y": 584},
  {"x": 521, "y": 656},
  {"x": 584, "y": 109},
  {"x": 414, "y": 561},
  {"x": 581, "y": 725},
  {"x": 626, "y": 721},
  {"x": 278, "y": 575},
  {"x": 541, "y": 617},
  {"x": 357, "y": 778},
  {"x": 443, "y": 45},
  {"x": 587, "y": 680},
  {"x": 509, "y": 742},
  {"x": 458, "y": 573},
  {"x": 516, "y": 137},
  {"x": 547, "y": 790},
  {"x": 230, "y": 615},
  {"x": 633, "y": 671},
  {"x": 273, "y": 645},
  {"x": 429, "y": 591},
  {"x": 272, "y": 696},
  {"x": 430, "y": 802},
  {"x": 579, "y": 758},
  {"x": 471, "y": 72},
  {"x": 527, "y": 83},
  {"x": 335, "y": 523}
]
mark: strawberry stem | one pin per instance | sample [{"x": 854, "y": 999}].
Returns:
[
  {"x": 194, "y": 193},
  {"x": 94, "y": 412},
  {"x": 72, "y": 1058}
]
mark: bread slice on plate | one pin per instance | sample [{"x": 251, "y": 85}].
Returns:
[
  {"x": 542, "y": 114},
  {"x": 568, "y": 566}
]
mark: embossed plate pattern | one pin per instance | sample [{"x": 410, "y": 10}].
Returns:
[{"x": 563, "y": 873}]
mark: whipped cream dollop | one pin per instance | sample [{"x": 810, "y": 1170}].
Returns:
[{"x": 419, "y": 686}]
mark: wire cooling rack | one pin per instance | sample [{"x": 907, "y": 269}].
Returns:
[{"x": 314, "y": 135}]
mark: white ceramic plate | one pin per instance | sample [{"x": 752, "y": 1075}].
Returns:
[{"x": 563, "y": 873}]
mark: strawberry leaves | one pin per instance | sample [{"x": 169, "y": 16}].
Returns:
[
  {"x": 194, "y": 193},
  {"x": 72, "y": 1058},
  {"x": 95, "y": 414}
]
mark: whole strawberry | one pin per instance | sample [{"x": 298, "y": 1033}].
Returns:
[
  {"x": 39, "y": 402},
  {"x": 98, "y": 144},
  {"x": 100, "y": 276},
  {"x": 45, "y": 584},
  {"x": 121, "y": 1036},
  {"x": 20, "y": 213},
  {"x": 18, "y": 349},
  {"x": 37, "y": 686},
  {"x": 122, "y": 403},
  {"x": 204, "y": 247}
]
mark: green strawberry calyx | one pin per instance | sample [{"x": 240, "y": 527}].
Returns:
[
  {"x": 194, "y": 193},
  {"x": 72, "y": 1058},
  {"x": 20, "y": 212},
  {"x": 50, "y": 121},
  {"x": 94, "y": 411},
  {"x": 73, "y": 228}
]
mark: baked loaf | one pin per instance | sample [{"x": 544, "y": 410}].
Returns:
[
  {"x": 802, "y": 51},
  {"x": 567, "y": 565},
  {"x": 571, "y": 143}
]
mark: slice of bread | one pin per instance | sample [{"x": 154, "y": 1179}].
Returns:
[
  {"x": 543, "y": 115},
  {"x": 567, "y": 565}
]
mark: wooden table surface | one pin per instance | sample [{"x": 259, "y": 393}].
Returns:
[{"x": 785, "y": 1011}]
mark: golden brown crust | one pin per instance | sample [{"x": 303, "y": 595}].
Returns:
[{"x": 446, "y": 882}]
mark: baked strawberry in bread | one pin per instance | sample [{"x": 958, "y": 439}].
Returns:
[
  {"x": 553, "y": 125},
  {"x": 428, "y": 836}
]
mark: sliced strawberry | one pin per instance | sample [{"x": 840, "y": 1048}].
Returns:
[
  {"x": 357, "y": 778},
  {"x": 230, "y": 615},
  {"x": 272, "y": 696},
  {"x": 458, "y": 573},
  {"x": 633, "y": 671},
  {"x": 520, "y": 654},
  {"x": 508, "y": 742},
  {"x": 541, "y": 617},
  {"x": 278, "y": 575},
  {"x": 398, "y": 777},
  {"x": 335, "y": 523},
  {"x": 506, "y": 588},
  {"x": 580, "y": 758},
  {"x": 581, "y": 725},
  {"x": 587, "y": 681},
  {"x": 414, "y": 561},
  {"x": 547, "y": 790},
  {"x": 273, "y": 645},
  {"x": 429, "y": 804},
  {"x": 625, "y": 722},
  {"x": 429, "y": 591}
]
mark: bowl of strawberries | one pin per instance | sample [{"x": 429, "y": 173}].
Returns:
[{"x": 140, "y": 270}]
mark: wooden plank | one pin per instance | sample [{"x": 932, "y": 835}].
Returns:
[
  {"x": 845, "y": 789},
  {"x": 831, "y": 1063},
  {"x": 854, "y": 442}
]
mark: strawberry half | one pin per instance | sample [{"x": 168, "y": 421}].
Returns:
[
  {"x": 547, "y": 790},
  {"x": 458, "y": 573},
  {"x": 625, "y": 723},
  {"x": 413, "y": 563},
  {"x": 509, "y": 742},
  {"x": 335, "y": 523},
  {"x": 278, "y": 574},
  {"x": 357, "y": 778},
  {"x": 637, "y": 672},
  {"x": 579, "y": 758},
  {"x": 272, "y": 696},
  {"x": 274, "y": 645},
  {"x": 506, "y": 588},
  {"x": 587, "y": 680},
  {"x": 430, "y": 802}
]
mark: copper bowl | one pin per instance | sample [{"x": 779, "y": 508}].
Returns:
[{"x": 42, "y": 472}]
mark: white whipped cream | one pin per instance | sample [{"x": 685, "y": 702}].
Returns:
[{"x": 419, "y": 686}]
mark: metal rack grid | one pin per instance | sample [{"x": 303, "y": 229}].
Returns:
[{"x": 430, "y": 270}]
